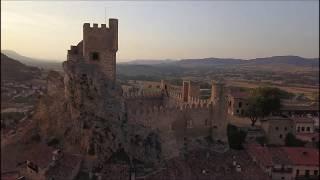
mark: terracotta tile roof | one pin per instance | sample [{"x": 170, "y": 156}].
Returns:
[
  {"x": 303, "y": 119},
  {"x": 308, "y": 135},
  {"x": 260, "y": 153},
  {"x": 302, "y": 155},
  {"x": 279, "y": 156}
]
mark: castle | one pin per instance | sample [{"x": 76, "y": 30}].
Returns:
[{"x": 177, "y": 114}]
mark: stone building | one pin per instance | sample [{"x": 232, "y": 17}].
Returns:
[
  {"x": 286, "y": 163},
  {"x": 179, "y": 114},
  {"x": 237, "y": 103},
  {"x": 99, "y": 46},
  {"x": 277, "y": 128},
  {"x": 303, "y": 124}
]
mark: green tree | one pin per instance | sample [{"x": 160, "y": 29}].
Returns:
[
  {"x": 262, "y": 102},
  {"x": 292, "y": 141},
  {"x": 236, "y": 137}
]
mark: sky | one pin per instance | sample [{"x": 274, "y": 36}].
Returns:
[{"x": 166, "y": 30}]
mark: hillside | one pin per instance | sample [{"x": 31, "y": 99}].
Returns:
[
  {"x": 14, "y": 70},
  {"x": 41, "y": 63}
]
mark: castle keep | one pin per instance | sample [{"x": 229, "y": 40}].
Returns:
[
  {"x": 176, "y": 114},
  {"x": 99, "y": 46}
]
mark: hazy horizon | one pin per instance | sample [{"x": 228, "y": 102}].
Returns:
[{"x": 167, "y": 30}]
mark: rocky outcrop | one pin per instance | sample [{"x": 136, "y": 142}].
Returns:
[{"x": 85, "y": 112}]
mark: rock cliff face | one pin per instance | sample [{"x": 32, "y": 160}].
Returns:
[{"x": 84, "y": 111}]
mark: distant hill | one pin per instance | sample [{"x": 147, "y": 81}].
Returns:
[
  {"x": 209, "y": 62},
  {"x": 286, "y": 60},
  {"x": 15, "y": 70},
  {"x": 268, "y": 62},
  {"x": 202, "y": 66},
  {"x": 41, "y": 63},
  {"x": 170, "y": 67},
  {"x": 149, "y": 62}
]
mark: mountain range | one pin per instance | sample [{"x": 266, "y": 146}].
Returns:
[{"x": 170, "y": 67}]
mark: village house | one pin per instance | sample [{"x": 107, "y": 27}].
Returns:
[
  {"x": 277, "y": 128},
  {"x": 286, "y": 163},
  {"x": 238, "y": 103}
]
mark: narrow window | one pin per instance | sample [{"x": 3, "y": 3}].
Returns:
[
  {"x": 307, "y": 172},
  {"x": 95, "y": 56},
  {"x": 297, "y": 172},
  {"x": 315, "y": 172},
  {"x": 280, "y": 136},
  {"x": 308, "y": 129},
  {"x": 189, "y": 124},
  {"x": 240, "y": 104},
  {"x": 302, "y": 129},
  {"x": 206, "y": 122}
]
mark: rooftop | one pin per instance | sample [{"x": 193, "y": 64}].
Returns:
[
  {"x": 269, "y": 156},
  {"x": 303, "y": 120},
  {"x": 302, "y": 155}
]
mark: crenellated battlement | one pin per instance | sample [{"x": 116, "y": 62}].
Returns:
[
  {"x": 95, "y": 27},
  {"x": 136, "y": 95},
  {"x": 145, "y": 111}
]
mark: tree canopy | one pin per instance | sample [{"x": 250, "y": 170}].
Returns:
[
  {"x": 292, "y": 141},
  {"x": 236, "y": 137},
  {"x": 263, "y": 101}
]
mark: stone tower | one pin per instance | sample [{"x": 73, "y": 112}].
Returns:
[
  {"x": 190, "y": 89},
  {"x": 219, "y": 120},
  {"x": 100, "y": 45}
]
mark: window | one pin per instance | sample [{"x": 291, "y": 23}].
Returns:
[
  {"x": 282, "y": 177},
  {"x": 280, "y": 136},
  {"x": 189, "y": 123},
  {"x": 277, "y": 128},
  {"x": 242, "y": 112},
  {"x": 308, "y": 129},
  {"x": 298, "y": 129},
  {"x": 302, "y": 129},
  {"x": 240, "y": 104},
  {"x": 307, "y": 172},
  {"x": 315, "y": 172},
  {"x": 297, "y": 172},
  {"x": 237, "y": 111},
  {"x": 95, "y": 56},
  {"x": 285, "y": 128},
  {"x": 206, "y": 122}
]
